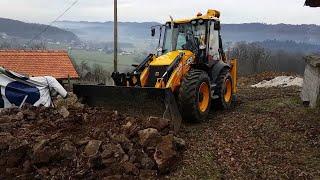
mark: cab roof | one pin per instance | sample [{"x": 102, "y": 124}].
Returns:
[{"x": 211, "y": 14}]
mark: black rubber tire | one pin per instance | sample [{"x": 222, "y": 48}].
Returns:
[
  {"x": 220, "y": 103},
  {"x": 188, "y": 97}
]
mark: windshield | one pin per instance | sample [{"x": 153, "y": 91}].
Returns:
[
  {"x": 176, "y": 39},
  {"x": 180, "y": 39}
]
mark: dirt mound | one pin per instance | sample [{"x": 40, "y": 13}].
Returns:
[{"x": 81, "y": 142}]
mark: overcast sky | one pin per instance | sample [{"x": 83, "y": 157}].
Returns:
[{"x": 233, "y": 11}]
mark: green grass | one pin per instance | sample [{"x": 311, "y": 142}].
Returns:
[
  {"x": 103, "y": 59},
  {"x": 204, "y": 167}
]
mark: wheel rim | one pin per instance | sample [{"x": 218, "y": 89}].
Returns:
[
  {"x": 228, "y": 91},
  {"x": 204, "y": 97}
]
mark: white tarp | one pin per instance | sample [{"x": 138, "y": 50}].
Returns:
[
  {"x": 17, "y": 90},
  {"x": 280, "y": 81}
]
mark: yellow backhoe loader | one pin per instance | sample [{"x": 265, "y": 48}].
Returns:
[{"x": 187, "y": 76}]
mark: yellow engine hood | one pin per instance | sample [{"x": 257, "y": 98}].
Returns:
[{"x": 167, "y": 59}]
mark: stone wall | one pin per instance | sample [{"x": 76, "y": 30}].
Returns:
[{"x": 311, "y": 86}]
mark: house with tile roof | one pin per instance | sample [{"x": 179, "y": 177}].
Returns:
[{"x": 39, "y": 63}]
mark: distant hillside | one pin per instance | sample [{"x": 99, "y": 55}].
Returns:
[
  {"x": 289, "y": 46},
  {"x": 103, "y": 32},
  {"x": 131, "y": 31},
  {"x": 260, "y": 32},
  {"x": 21, "y": 30}
]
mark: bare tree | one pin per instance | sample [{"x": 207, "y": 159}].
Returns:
[
  {"x": 38, "y": 46},
  {"x": 96, "y": 73},
  {"x": 253, "y": 58},
  {"x": 250, "y": 56}
]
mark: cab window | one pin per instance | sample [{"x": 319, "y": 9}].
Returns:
[{"x": 214, "y": 43}]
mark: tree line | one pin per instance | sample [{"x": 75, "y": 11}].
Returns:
[
  {"x": 5, "y": 45},
  {"x": 254, "y": 58}
]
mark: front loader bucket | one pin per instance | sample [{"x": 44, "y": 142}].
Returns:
[{"x": 134, "y": 101}]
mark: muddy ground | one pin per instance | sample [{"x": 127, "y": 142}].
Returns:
[{"x": 268, "y": 135}]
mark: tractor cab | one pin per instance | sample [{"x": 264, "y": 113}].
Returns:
[{"x": 200, "y": 35}]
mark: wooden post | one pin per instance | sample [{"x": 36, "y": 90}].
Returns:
[
  {"x": 69, "y": 83},
  {"x": 115, "y": 36}
]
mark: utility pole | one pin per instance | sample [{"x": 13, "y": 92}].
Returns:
[{"x": 115, "y": 41}]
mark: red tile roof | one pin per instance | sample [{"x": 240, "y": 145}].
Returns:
[{"x": 39, "y": 63}]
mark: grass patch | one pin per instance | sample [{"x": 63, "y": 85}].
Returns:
[
  {"x": 204, "y": 168},
  {"x": 103, "y": 59}
]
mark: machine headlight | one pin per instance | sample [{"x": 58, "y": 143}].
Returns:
[{"x": 190, "y": 61}]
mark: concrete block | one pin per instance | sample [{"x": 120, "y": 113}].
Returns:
[{"x": 311, "y": 86}]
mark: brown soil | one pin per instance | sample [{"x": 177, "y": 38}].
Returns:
[
  {"x": 90, "y": 143},
  {"x": 268, "y": 135}
]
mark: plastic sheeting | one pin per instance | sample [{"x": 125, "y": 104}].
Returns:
[
  {"x": 16, "y": 90},
  {"x": 280, "y": 81}
]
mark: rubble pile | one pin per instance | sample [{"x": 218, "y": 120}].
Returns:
[{"x": 74, "y": 141}]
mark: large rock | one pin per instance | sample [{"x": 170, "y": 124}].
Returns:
[
  {"x": 63, "y": 111},
  {"x": 123, "y": 141},
  {"x": 157, "y": 123},
  {"x": 68, "y": 150},
  {"x": 179, "y": 143},
  {"x": 92, "y": 148},
  {"x": 130, "y": 168},
  {"x": 16, "y": 153},
  {"x": 29, "y": 115},
  {"x": 5, "y": 119},
  {"x": 113, "y": 154},
  {"x": 166, "y": 154},
  {"x": 147, "y": 162},
  {"x": 131, "y": 128},
  {"x": 108, "y": 151},
  {"x": 19, "y": 116},
  {"x": 5, "y": 140},
  {"x": 41, "y": 152},
  {"x": 70, "y": 102},
  {"x": 112, "y": 150},
  {"x": 149, "y": 137},
  {"x": 95, "y": 161}
]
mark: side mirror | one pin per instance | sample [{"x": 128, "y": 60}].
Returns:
[
  {"x": 160, "y": 49},
  {"x": 217, "y": 25},
  {"x": 202, "y": 47},
  {"x": 153, "y": 32}
]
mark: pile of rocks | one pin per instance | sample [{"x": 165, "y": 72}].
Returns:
[{"x": 82, "y": 142}]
